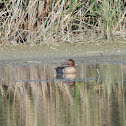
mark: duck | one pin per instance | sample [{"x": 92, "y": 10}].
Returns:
[{"x": 66, "y": 68}]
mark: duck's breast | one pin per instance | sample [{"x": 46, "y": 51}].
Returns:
[{"x": 69, "y": 70}]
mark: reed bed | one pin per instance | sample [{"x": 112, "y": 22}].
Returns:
[{"x": 44, "y": 21}]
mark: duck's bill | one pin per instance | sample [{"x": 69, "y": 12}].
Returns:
[{"x": 64, "y": 65}]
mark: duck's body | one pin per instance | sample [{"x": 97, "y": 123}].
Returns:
[{"x": 67, "y": 68}]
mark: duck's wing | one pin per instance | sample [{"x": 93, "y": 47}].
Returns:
[{"x": 59, "y": 69}]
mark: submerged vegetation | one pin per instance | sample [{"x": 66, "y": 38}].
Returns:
[{"x": 40, "y": 21}]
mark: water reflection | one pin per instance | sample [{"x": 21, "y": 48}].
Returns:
[{"x": 31, "y": 95}]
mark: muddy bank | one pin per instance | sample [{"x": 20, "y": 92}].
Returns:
[{"x": 56, "y": 53}]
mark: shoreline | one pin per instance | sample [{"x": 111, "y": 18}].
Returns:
[{"x": 58, "y": 52}]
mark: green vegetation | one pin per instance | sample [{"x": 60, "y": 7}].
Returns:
[{"x": 40, "y": 21}]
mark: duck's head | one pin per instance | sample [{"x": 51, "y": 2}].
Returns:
[{"x": 69, "y": 63}]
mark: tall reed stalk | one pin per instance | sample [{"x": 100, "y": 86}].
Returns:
[{"x": 37, "y": 21}]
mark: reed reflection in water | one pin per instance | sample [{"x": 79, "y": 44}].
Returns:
[{"x": 30, "y": 95}]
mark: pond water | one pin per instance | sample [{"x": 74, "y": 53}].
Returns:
[{"x": 32, "y": 95}]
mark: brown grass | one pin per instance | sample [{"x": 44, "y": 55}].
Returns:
[{"x": 27, "y": 21}]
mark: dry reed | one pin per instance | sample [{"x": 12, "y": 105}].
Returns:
[{"x": 36, "y": 21}]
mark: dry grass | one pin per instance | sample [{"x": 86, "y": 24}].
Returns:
[{"x": 36, "y": 21}]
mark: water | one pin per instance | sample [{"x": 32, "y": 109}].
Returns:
[{"x": 31, "y": 95}]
